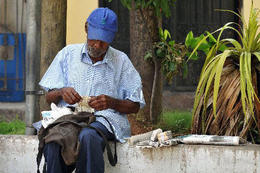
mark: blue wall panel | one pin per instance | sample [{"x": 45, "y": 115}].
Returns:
[{"x": 12, "y": 69}]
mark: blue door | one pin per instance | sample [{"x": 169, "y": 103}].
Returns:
[{"x": 12, "y": 63}]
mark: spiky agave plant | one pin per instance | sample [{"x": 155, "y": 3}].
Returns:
[{"x": 226, "y": 97}]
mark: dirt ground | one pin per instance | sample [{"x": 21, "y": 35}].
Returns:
[{"x": 137, "y": 126}]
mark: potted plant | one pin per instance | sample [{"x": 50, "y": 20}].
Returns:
[{"x": 226, "y": 100}]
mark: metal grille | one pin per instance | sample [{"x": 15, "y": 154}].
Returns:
[{"x": 12, "y": 50}]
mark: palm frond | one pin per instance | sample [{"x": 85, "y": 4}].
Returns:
[{"x": 228, "y": 106}]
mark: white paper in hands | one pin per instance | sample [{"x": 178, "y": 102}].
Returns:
[{"x": 83, "y": 105}]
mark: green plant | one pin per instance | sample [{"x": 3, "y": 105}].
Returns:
[
  {"x": 178, "y": 122},
  {"x": 226, "y": 95},
  {"x": 171, "y": 55},
  {"x": 14, "y": 127},
  {"x": 207, "y": 41}
]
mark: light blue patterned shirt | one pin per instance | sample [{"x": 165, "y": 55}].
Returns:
[{"x": 115, "y": 76}]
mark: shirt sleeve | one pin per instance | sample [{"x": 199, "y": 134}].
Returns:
[
  {"x": 130, "y": 86},
  {"x": 54, "y": 76}
]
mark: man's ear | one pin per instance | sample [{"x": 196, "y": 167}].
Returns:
[{"x": 86, "y": 27}]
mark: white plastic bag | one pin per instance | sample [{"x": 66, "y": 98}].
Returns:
[{"x": 55, "y": 113}]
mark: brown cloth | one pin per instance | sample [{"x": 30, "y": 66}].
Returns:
[{"x": 64, "y": 131}]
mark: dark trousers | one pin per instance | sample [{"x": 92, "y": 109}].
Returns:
[{"x": 90, "y": 158}]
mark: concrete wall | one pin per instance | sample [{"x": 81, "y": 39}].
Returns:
[
  {"x": 18, "y": 153},
  {"x": 77, "y": 13}
]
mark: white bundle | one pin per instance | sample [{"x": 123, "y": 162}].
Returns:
[
  {"x": 55, "y": 113},
  {"x": 83, "y": 105}
]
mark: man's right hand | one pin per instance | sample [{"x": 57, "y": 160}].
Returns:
[{"x": 69, "y": 95}]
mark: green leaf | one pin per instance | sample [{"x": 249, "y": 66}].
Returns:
[
  {"x": 234, "y": 42},
  {"x": 171, "y": 43},
  {"x": 211, "y": 38},
  {"x": 220, "y": 64},
  {"x": 194, "y": 55},
  {"x": 172, "y": 66},
  {"x": 202, "y": 83},
  {"x": 166, "y": 34},
  {"x": 204, "y": 47},
  {"x": 143, "y": 4},
  {"x": 159, "y": 53},
  {"x": 243, "y": 83},
  {"x": 248, "y": 78},
  {"x": 198, "y": 41},
  {"x": 189, "y": 39},
  {"x": 155, "y": 3},
  {"x": 257, "y": 54},
  {"x": 165, "y": 7},
  {"x": 222, "y": 48},
  {"x": 161, "y": 33},
  {"x": 138, "y": 4},
  {"x": 148, "y": 56},
  {"x": 148, "y": 3},
  {"x": 209, "y": 80}
]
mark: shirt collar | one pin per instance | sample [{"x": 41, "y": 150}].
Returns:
[{"x": 86, "y": 59}]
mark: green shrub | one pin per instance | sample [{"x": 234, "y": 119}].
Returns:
[
  {"x": 14, "y": 127},
  {"x": 179, "y": 122}
]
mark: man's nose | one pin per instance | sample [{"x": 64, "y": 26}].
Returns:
[{"x": 98, "y": 44}]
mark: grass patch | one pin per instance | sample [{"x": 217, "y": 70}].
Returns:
[
  {"x": 14, "y": 127},
  {"x": 179, "y": 122}
]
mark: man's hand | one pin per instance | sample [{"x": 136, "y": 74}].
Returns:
[
  {"x": 69, "y": 95},
  {"x": 102, "y": 102}
]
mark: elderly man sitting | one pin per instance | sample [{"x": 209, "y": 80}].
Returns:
[{"x": 107, "y": 75}]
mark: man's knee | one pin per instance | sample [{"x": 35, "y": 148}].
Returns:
[
  {"x": 51, "y": 147},
  {"x": 88, "y": 134}
]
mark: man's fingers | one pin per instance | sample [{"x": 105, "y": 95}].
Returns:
[
  {"x": 93, "y": 103},
  {"x": 70, "y": 95},
  {"x": 77, "y": 96},
  {"x": 92, "y": 99},
  {"x": 98, "y": 105},
  {"x": 67, "y": 98}
]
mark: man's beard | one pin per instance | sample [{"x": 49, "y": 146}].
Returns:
[{"x": 95, "y": 53}]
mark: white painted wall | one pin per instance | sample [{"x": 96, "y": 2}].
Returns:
[{"x": 18, "y": 155}]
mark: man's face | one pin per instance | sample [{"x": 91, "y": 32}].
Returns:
[{"x": 97, "y": 48}]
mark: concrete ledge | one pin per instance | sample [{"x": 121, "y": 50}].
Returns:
[
  {"x": 18, "y": 154},
  {"x": 9, "y": 111}
]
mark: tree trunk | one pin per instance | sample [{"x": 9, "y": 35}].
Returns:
[
  {"x": 143, "y": 32},
  {"x": 53, "y": 32}
]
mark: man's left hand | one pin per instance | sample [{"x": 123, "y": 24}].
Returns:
[{"x": 102, "y": 102}]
